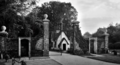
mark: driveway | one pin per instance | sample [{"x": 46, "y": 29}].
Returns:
[{"x": 68, "y": 59}]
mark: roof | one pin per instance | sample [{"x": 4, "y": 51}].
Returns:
[{"x": 62, "y": 41}]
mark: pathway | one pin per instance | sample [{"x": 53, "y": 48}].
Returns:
[{"x": 67, "y": 59}]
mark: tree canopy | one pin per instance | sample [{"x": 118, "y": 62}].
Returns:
[
  {"x": 22, "y": 20},
  {"x": 61, "y": 16},
  {"x": 13, "y": 16},
  {"x": 16, "y": 25},
  {"x": 113, "y": 31},
  {"x": 58, "y": 12},
  {"x": 87, "y": 35}
]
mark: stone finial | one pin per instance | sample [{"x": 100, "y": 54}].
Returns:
[
  {"x": 3, "y": 28},
  {"x": 45, "y": 16},
  {"x": 3, "y": 33},
  {"x": 105, "y": 31}
]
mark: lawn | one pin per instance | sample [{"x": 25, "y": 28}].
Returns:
[{"x": 106, "y": 58}]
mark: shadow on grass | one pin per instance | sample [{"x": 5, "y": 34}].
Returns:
[
  {"x": 107, "y": 58},
  {"x": 56, "y": 62}
]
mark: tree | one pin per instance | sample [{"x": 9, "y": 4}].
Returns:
[
  {"x": 114, "y": 35},
  {"x": 22, "y": 8},
  {"x": 8, "y": 17},
  {"x": 83, "y": 44},
  {"x": 60, "y": 13},
  {"x": 99, "y": 33},
  {"x": 13, "y": 16},
  {"x": 5, "y": 5},
  {"x": 113, "y": 32},
  {"x": 87, "y": 35},
  {"x": 115, "y": 45},
  {"x": 57, "y": 12}
]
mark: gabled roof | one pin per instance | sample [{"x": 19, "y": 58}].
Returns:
[
  {"x": 62, "y": 41},
  {"x": 56, "y": 35},
  {"x": 61, "y": 35}
]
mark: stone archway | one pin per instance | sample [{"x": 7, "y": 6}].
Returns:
[
  {"x": 24, "y": 47},
  {"x": 93, "y": 47}
]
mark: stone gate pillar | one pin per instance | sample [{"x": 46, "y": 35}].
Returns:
[
  {"x": 106, "y": 41},
  {"x": 3, "y": 36},
  {"x": 46, "y": 36},
  {"x": 95, "y": 45}
]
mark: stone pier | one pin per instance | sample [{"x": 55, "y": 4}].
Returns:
[
  {"x": 106, "y": 40},
  {"x": 46, "y": 36},
  {"x": 95, "y": 45},
  {"x": 3, "y": 36}
]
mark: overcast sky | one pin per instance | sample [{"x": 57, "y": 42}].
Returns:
[{"x": 93, "y": 14}]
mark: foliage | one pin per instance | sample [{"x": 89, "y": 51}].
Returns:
[
  {"x": 61, "y": 14},
  {"x": 57, "y": 12},
  {"x": 87, "y": 35},
  {"x": 115, "y": 45},
  {"x": 10, "y": 20},
  {"x": 17, "y": 25},
  {"x": 5, "y": 5},
  {"x": 81, "y": 41},
  {"x": 76, "y": 51},
  {"x": 13, "y": 16},
  {"x": 23, "y": 7},
  {"x": 99, "y": 33},
  {"x": 114, "y": 35},
  {"x": 112, "y": 30}
]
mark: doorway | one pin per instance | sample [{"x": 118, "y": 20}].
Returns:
[
  {"x": 64, "y": 46},
  {"x": 24, "y": 48},
  {"x": 92, "y": 46}
]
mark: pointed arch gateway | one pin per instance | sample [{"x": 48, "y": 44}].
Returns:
[{"x": 62, "y": 42}]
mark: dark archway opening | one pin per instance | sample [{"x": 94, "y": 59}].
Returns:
[
  {"x": 64, "y": 46},
  {"x": 92, "y": 46},
  {"x": 24, "y": 48}
]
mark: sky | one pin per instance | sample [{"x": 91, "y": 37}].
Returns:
[{"x": 94, "y": 14}]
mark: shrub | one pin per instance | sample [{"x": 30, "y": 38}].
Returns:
[
  {"x": 115, "y": 45},
  {"x": 70, "y": 50},
  {"x": 76, "y": 51},
  {"x": 85, "y": 51}
]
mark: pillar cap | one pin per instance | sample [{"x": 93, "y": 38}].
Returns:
[
  {"x": 75, "y": 22},
  {"x": 45, "y": 18},
  {"x": 3, "y": 33}
]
